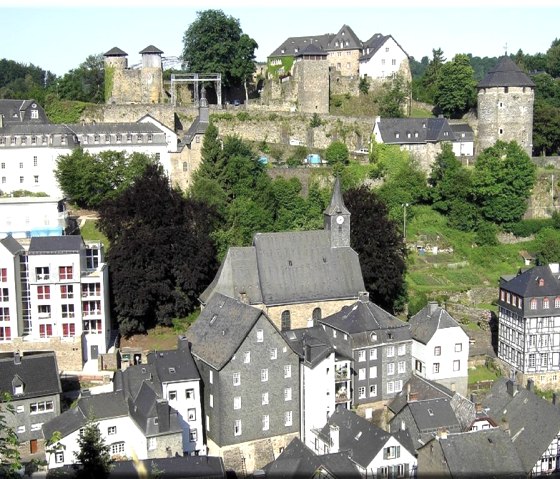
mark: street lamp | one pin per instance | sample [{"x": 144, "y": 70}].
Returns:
[{"x": 404, "y": 205}]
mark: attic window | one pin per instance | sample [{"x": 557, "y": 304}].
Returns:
[
  {"x": 445, "y": 133},
  {"x": 541, "y": 281},
  {"x": 324, "y": 259},
  {"x": 156, "y": 420},
  {"x": 430, "y": 412},
  {"x": 289, "y": 262},
  {"x": 171, "y": 370},
  {"x": 296, "y": 50},
  {"x": 358, "y": 435},
  {"x": 283, "y": 51},
  {"x": 397, "y": 135},
  {"x": 423, "y": 125},
  {"x": 373, "y": 337},
  {"x": 213, "y": 319},
  {"x": 415, "y": 134},
  {"x": 408, "y": 134},
  {"x": 18, "y": 389}
]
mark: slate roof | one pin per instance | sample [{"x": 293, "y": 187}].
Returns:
[
  {"x": 178, "y": 467},
  {"x": 198, "y": 127},
  {"x": 297, "y": 461},
  {"x": 344, "y": 35},
  {"x": 115, "y": 52},
  {"x": 361, "y": 437},
  {"x": 431, "y": 318},
  {"x": 14, "y": 113},
  {"x": 55, "y": 244},
  {"x": 174, "y": 365},
  {"x": 420, "y": 389},
  {"x": 533, "y": 422},
  {"x": 225, "y": 322},
  {"x": 81, "y": 129},
  {"x": 526, "y": 284},
  {"x": 415, "y": 130},
  {"x": 433, "y": 414},
  {"x": 293, "y": 45},
  {"x": 374, "y": 44},
  {"x": 312, "y": 50},
  {"x": 11, "y": 244},
  {"x": 38, "y": 371},
  {"x": 505, "y": 73},
  {"x": 151, "y": 49},
  {"x": 488, "y": 453},
  {"x": 310, "y": 344},
  {"x": 364, "y": 317},
  {"x": 460, "y": 129},
  {"x": 336, "y": 205}
]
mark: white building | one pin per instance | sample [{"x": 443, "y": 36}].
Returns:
[
  {"x": 32, "y": 216},
  {"x": 382, "y": 57},
  {"x": 440, "y": 348}
]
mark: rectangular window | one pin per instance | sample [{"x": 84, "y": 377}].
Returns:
[
  {"x": 401, "y": 367},
  {"x": 36, "y": 426},
  {"x": 35, "y": 161},
  {"x": 264, "y": 399},
  {"x": 207, "y": 422},
  {"x": 112, "y": 430},
  {"x": 390, "y": 351},
  {"x": 211, "y": 400},
  {"x": 59, "y": 457},
  {"x": 373, "y": 390},
  {"x": 390, "y": 387},
  {"x": 265, "y": 422},
  {"x": 398, "y": 385},
  {"x": 66, "y": 291},
  {"x": 458, "y": 347},
  {"x": 4, "y": 314},
  {"x": 36, "y": 179},
  {"x": 21, "y": 179},
  {"x": 117, "y": 448},
  {"x": 236, "y": 379},
  {"x": 211, "y": 377},
  {"x": 361, "y": 392},
  {"x": 129, "y": 137},
  {"x": 172, "y": 395},
  {"x": 5, "y": 331},
  {"x": 191, "y": 414},
  {"x": 288, "y": 418},
  {"x": 273, "y": 353},
  {"x": 3, "y": 275},
  {"x": 20, "y": 409},
  {"x": 456, "y": 365},
  {"x": 41, "y": 407},
  {"x": 247, "y": 357},
  {"x": 20, "y": 429},
  {"x": 237, "y": 402},
  {"x": 288, "y": 371},
  {"x": 437, "y": 351},
  {"x": 68, "y": 330},
  {"x": 189, "y": 393},
  {"x": 264, "y": 375},
  {"x": 390, "y": 369},
  {"x": 237, "y": 428},
  {"x": 193, "y": 435},
  {"x": 67, "y": 310},
  {"x": 373, "y": 354},
  {"x": 65, "y": 272},
  {"x": 42, "y": 273},
  {"x": 373, "y": 372},
  {"x": 287, "y": 394},
  {"x": 402, "y": 350},
  {"x": 361, "y": 355},
  {"x": 43, "y": 292},
  {"x": 392, "y": 452},
  {"x": 436, "y": 368},
  {"x": 4, "y": 294},
  {"x": 260, "y": 335},
  {"x": 361, "y": 374},
  {"x": 44, "y": 311},
  {"x": 393, "y": 62}
]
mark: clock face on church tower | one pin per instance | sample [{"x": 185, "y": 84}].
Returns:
[{"x": 340, "y": 219}]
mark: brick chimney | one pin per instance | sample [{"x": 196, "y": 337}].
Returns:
[
  {"x": 432, "y": 307},
  {"x": 17, "y": 357},
  {"x": 162, "y": 408}
]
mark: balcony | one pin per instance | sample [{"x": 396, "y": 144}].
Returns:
[{"x": 342, "y": 374}]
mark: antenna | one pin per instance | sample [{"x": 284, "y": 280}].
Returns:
[{"x": 505, "y": 49}]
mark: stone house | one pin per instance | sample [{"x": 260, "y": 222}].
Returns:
[
  {"x": 33, "y": 382},
  {"x": 251, "y": 383}
]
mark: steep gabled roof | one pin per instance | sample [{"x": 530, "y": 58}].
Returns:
[
  {"x": 225, "y": 322},
  {"x": 372, "y": 46},
  {"x": 310, "y": 344},
  {"x": 293, "y": 45},
  {"x": 415, "y": 130},
  {"x": 505, "y": 73},
  {"x": 526, "y": 284},
  {"x": 345, "y": 39},
  {"x": 11, "y": 244},
  {"x": 432, "y": 414},
  {"x": 425, "y": 323}
]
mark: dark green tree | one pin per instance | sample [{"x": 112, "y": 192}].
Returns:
[
  {"x": 215, "y": 43},
  {"x": 547, "y": 246},
  {"x": 456, "y": 87},
  {"x": 363, "y": 86},
  {"x": 553, "y": 59},
  {"x": 85, "y": 83},
  {"x": 393, "y": 100},
  {"x": 94, "y": 460},
  {"x": 428, "y": 84},
  {"x": 502, "y": 182},
  {"x": 88, "y": 179},
  {"x": 10, "y": 459},
  {"x": 380, "y": 246},
  {"x": 337, "y": 153},
  {"x": 161, "y": 256}
]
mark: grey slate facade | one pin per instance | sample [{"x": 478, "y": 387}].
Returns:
[{"x": 13, "y": 112}]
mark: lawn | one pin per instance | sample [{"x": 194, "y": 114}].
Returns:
[
  {"x": 482, "y": 373},
  {"x": 90, "y": 232}
]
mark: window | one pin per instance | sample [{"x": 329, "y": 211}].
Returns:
[
  {"x": 34, "y": 161},
  {"x": 401, "y": 350},
  {"x": 273, "y": 353},
  {"x": 288, "y": 371},
  {"x": 36, "y": 179},
  {"x": 20, "y": 409},
  {"x": 68, "y": 330},
  {"x": 390, "y": 387},
  {"x": 373, "y": 390},
  {"x": 383, "y": 61},
  {"x": 172, "y": 395},
  {"x": 260, "y": 335},
  {"x": 189, "y": 393},
  {"x": 185, "y": 166},
  {"x": 264, "y": 375},
  {"x": 247, "y": 357},
  {"x": 65, "y": 272},
  {"x": 390, "y": 369},
  {"x": 456, "y": 365},
  {"x": 3, "y": 179},
  {"x": 41, "y": 407},
  {"x": 139, "y": 138},
  {"x": 373, "y": 372},
  {"x": 436, "y": 368},
  {"x": 152, "y": 443},
  {"x": 4, "y": 275},
  {"x": 150, "y": 138},
  {"x": 393, "y": 62},
  {"x": 236, "y": 379},
  {"x": 361, "y": 355},
  {"x": 372, "y": 354},
  {"x": 67, "y": 310},
  {"x": 34, "y": 114},
  {"x": 401, "y": 367},
  {"x": 437, "y": 351},
  {"x": 129, "y": 137},
  {"x": 191, "y": 414},
  {"x": 119, "y": 138},
  {"x": 207, "y": 422},
  {"x": 59, "y": 457},
  {"x": 264, "y": 399},
  {"x": 66, "y": 291},
  {"x": 112, "y": 430},
  {"x": 265, "y": 422},
  {"x": 390, "y": 351},
  {"x": 5, "y": 331},
  {"x": 288, "y": 418},
  {"x": 398, "y": 385},
  {"x": 392, "y": 452},
  {"x": 418, "y": 366},
  {"x": 92, "y": 258},
  {"x": 287, "y": 394},
  {"x": 42, "y": 273},
  {"x": 544, "y": 360},
  {"x": 286, "y": 321},
  {"x": 361, "y": 392},
  {"x": 458, "y": 347},
  {"x": 361, "y": 374},
  {"x": 237, "y": 402},
  {"x": 4, "y": 294},
  {"x": 193, "y": 435},
  {"x": 211, "y": 377},
  {"x": 557, "y": 302},
  {"x": 211, "y": 400},
  {"x": 44, "y": 310},
  {"x": 237, "y": 428}
]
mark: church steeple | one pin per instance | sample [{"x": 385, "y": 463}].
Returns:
[{"x": 337, "y": 219}]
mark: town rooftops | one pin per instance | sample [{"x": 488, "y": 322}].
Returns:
[
  {"x": 505, "y": 73},
  {"x": 55, "y": 244},
  {"x": 425, "y": 323},
  {"x": 418, "y": 388},
  {"x": 433, "y": 414},
  {"x": 293, "y": 45},
  {"x": 184, "y": 467},
  {"x": 310, "y": 344},
  {"x": 312, "y": 50},
  {"x": 11, "y": 244},
  {"x": 414, "y": 130},
  {"x": 538, "y": 281}
]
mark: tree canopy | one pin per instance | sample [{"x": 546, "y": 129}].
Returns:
[
  {"x": 455, "y": 87},
  {"x": 380, "y": 246},
  {"x": 93, "y": 456},
  {"x": 161, "y": 256},
  {"x": 215, "y": 43},
  {"x": 85, "y": 83},
  {"x": 10, "y": 459}
]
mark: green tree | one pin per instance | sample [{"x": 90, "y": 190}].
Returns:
[
  {"x": 10, "y": 459},
  {"x": 93, "y": 457},
  {"x": 88, "y": 179},
  {"x": 427, "y": 86},
  {"x": 85, "y": 83},
  {"x": 363, "y": 86},
  {"x": 553, "y": 59},
  {"x": 502, "y": 182},
  {"x": 162, "y": 256},
  {"x": 243, "y": 65},
  {"x": 215, "y": 43},
  {"x": 393, "y": 99},
  {"x": 456, "y": 87},
  {"x": 380, "y": 246},
  {"x": 337, "y": 153},
  {"x": 547, "y": 246},
  {"x": 486, "y": 234}
]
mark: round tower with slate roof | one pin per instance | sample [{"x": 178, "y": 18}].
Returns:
[
  {"x": 116, "y": 62},
  {"x": 505, "y": 106},
  {"x": 152, "y": 75},
  {"x": 337, "y": 219}
]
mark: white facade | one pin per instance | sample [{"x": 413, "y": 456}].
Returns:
[
  {"x": 31, "y": 216},
  {"x": 317, "y": 396},
  {"x": 386, "y": 62},
  {"x": 185, "y": 397},
  {"x": 9, "y": 293},
  {"x": 394, "y": 460},
  {"x": 462, "y": 146}
]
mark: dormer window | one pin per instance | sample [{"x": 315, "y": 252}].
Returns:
[
  {"x": 18, "y": 389},
  {"x": 541, "y": 281},
  {"x": 296, "y": 50},
  {"x": 171, "y": 370},
  {"x": 397, "y": 135}
]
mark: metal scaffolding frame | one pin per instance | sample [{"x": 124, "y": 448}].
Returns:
[{"x": 196, "y": 79}]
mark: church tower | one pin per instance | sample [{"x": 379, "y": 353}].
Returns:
[
  {"x": 505, "y": 106},
  {"x": 337, "y": 219}
]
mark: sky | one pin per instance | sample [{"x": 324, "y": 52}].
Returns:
[{"x": 58, "y": 35}]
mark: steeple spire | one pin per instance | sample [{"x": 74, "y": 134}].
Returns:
[
  {"x": 337, "y": 203},
  {"x": 337, "y": 219}
]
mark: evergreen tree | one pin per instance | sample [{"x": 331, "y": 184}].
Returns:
[
  {"x": 10, "y": 460},
  {"x": 93, "y": 457},
  {"x": 455, "y": 89}
]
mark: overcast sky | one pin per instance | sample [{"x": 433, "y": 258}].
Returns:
[{"x": 58, "y": 35}]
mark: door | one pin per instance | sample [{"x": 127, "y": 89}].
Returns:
[
  {"x": 93, "y": 352},
  {"x": 33, "y": 446}
]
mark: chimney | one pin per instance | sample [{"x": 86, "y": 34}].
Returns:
[
  {"x": 442, "y": 433},
  {"x": 511, "y": 387},
  {"x": 530, "y": 385},
  {"x": 408, "y": 392},
  {"x": 363, "y": 296},
  {"x": 162, "y": 408},
  {"x": 1, "y": 121},
  {"x": 554, "y": 268},
  {"x": 17, "y": 357},
  {"x": 182, "y": 342},
  {"x": 307, "y": 351},
  {"x": 335, "y": 438},
  {"x": 432, "y": 306}
]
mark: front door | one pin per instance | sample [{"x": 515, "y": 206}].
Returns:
[
  {"x": 33, "y": 446},
  {"x": 93, "y": 352}
]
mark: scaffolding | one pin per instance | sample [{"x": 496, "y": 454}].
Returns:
[{"x": 196, "y": 79}]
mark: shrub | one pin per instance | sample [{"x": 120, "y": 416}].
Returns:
[
  {"x": 525, "y": 228},
  {"x": 315, "y": 121},
  {"x": 486, "y": 234},
  {"x": 243, "y": 116}
]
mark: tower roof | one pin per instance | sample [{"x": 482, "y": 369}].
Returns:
[
  {"x": 337, "y": 203},
  {"x": 151, "y": 49},
  {"x": 505, "y": 73},
  {"x": 115, "y": 52}
]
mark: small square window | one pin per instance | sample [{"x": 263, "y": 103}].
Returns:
[
  {"x": 112, "y": 430},
  {"x": 458, "y": 347}
]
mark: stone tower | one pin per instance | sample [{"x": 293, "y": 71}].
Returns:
[
  {"x": 151, "y": 77},
  {"x": 337, "y": 219},
  {"x": 311, "y": 72},
  {"x": 116, "y": 63},
  {"x": 505, "y": 106}
]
